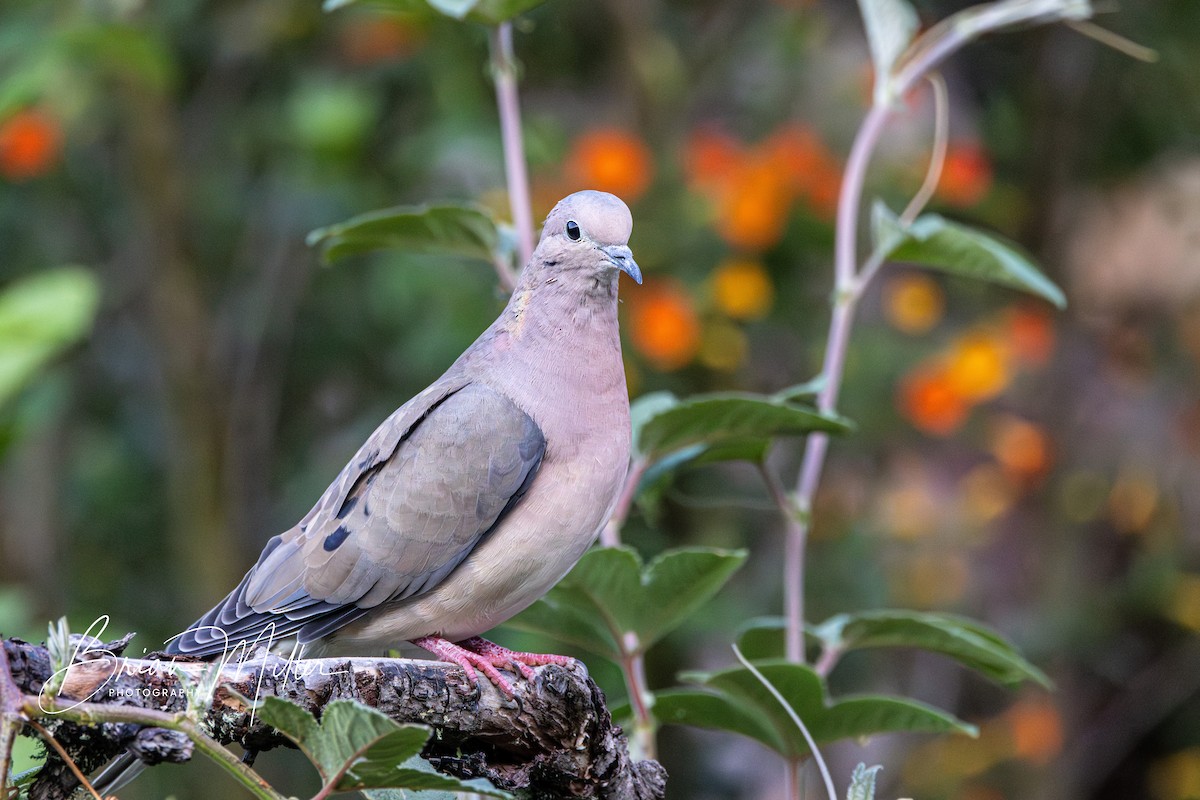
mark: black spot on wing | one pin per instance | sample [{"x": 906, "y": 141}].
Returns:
[
  {"x": 347, "y": 506},
  {"x": 335, "y": 539}
]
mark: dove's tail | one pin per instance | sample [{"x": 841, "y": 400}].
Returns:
[{"x": 117, "y": 774}]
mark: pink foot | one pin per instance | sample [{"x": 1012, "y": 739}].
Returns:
[{"x": 478, "y": 652}]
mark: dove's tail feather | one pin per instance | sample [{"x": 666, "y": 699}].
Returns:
[{"x": 117, "y": 774}]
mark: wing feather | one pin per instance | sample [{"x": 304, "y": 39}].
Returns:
[{"x": 410, "y": 506}]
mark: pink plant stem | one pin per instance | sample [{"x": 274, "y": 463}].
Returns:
[
  {"x": 846, "y": 297},
  {"x": 848, "y": 290},
  {"x": 504, "y": 73},
  {"x": 633, "y": 664},
  {"x": 611, "y": 535}
]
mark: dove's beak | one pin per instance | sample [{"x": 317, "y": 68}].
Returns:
[{"x": 622, "y": 258}]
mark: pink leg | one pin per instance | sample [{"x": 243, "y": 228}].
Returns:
[
  {"x": 478, "y": 652},
  {"x": 449, "y": 652},
  {"x": 502, "y": 656}
]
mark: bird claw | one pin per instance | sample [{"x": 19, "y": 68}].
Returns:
[{"x": 479, "y": 653}]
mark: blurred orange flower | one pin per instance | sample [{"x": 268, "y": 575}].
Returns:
[
  {"x": 753, "y": 211},
  {"x": 377, "y": 39},
  {"x": 711, "y": 159},
  {"x": 913, "y": 302},
  {"x": 825, "y": 186},
  {"x": 797, "y": 151},
  {"x": 611, "y": 160},
  {"x": 664, "y": 326},
  {"x": 1030, "y": 332},
  {"x": 30, "y": 142},
  {"x": 929, "y": 400},
  {"x": 1037, "y": 730},
  {"x": 742, "y": 289},
  {"x": 1020, "y": 447},
  {"x": 966, "y": 174},
  {"x": 754, "y": 189},
  {"x": 979, "y": 366}
]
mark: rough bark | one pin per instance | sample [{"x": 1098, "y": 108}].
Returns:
[{"x": 554, "y": 739}]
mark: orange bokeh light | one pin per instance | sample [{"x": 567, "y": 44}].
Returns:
[
  {"x": 754, "y": 208},
  {"x": 929, "y": 400},
  {"x": 1030, "y": 333},
  {"x": 30, "y": 142},
  {"x": 1020, "y": 447},
  {"x": 755, "y": 188},
  {"x": 979, "y": 366},
  {"x": 664, "y": 326},
  {"x": 711, "y": 159},
  {"x": 611, "y": 160},
  {"x": 966, "y": 175},
  {"x": 1037, "y": 730},
  {"x": 378, "y": 39}
]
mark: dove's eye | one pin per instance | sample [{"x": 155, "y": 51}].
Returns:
[{"x": 573, "y": 230}]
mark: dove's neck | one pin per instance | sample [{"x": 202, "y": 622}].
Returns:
[{"x": 558, "y": 352}]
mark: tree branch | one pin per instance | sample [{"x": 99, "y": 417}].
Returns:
[{"x": 554, "y": 739}]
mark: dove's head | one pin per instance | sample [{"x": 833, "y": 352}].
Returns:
[{"x": 588, "y": 233}]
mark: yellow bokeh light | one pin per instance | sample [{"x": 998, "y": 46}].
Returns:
[
  {"x": 723, "y": 347},
  {"x": 1184, "y": 606},
  {"x": 913, "y": 303},
  {"x": 742, "y": 289},
  {"x": 987, "y": 493},
  {"x": 979, "y": 366},
  {"x": 1176, "y": 777},
  {"x": 1132, "y": 501}
]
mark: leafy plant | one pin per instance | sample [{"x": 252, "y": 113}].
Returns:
[
  {"x": 616, "y": 606},
  {"x": 357, "y": 748},
  {"x": 969, "y": 642}
]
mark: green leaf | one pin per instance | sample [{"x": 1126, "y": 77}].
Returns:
[
  {"x": 717, "y": 712},
  {"x": 410, "y": 794},
  {"x": 968, "y": 642},
  {"x": 364, "y": 747},
  {"x": 487, "y": 12},
  {"x": 862, "y": 783},
  {"x": 646, "y": 408},
  {"x": 735, "y": 700},
  {"x": 449, "y": 229},
  {"x": 764, "y": 638},
  {"x": 934, "y": 241},
  {"x": 891, "y": 26},
  {"x": 809, "y": 389},
  {"x": 610, "y": 594},
  {"x": 728, "y": 418},
  {"x": 40, "y": 316}
]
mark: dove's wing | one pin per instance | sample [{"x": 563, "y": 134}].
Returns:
[{"x": 427, "y": 486}]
